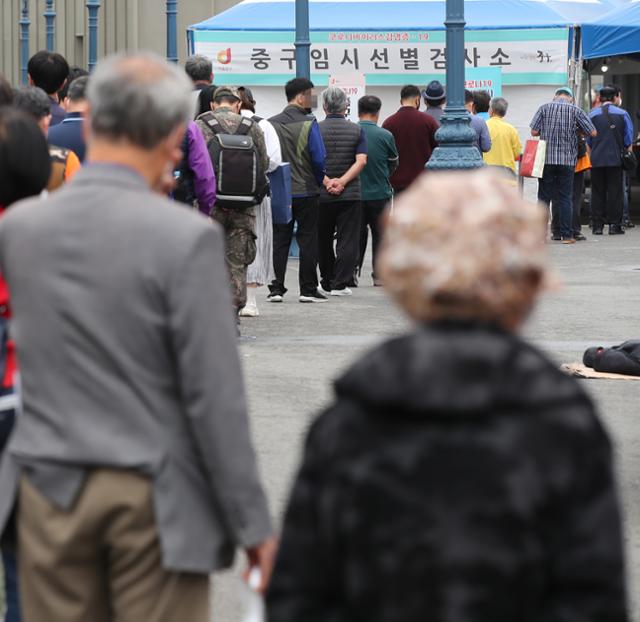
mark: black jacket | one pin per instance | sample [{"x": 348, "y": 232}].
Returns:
[{"x": 458, "y": 477}]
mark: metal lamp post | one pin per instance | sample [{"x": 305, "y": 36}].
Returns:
[
  {"x": 93, "y": 6},
  {"x": 25, "y": 22},
  {"x": 172, "y": 31},
  {"x": 455, "y": 137},
  {"x": 302, "y": 43},
  {"x": 50, "y": 18}
]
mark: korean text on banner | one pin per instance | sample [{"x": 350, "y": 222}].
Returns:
[
  {"x": 533, "y": 158},
  {"x": 525, "y": 56},
  {"x": 353, "y": 85},
  {"x": 484, "y": 79}
]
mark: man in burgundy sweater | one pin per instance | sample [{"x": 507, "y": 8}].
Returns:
[{"x": 414, "y": 133}]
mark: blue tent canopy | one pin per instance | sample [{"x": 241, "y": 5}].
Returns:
[
  {"x": 614, "y": 34},
  {"x": 406, "y": 15}
]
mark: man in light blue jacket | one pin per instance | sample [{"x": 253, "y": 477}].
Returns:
[{"x": 479, "y": 125}]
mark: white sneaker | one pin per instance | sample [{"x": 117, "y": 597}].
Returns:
[
  {"x": 345, "y": 291},
  {"x": 250, "y": 310},
  {"x": 323, "y": 291}
]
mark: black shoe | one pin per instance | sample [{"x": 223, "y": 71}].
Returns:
[
  {"x": 275, "y": 297},
  {"x": 597, "y": 230},
  {"x": 616, "y": 230},
  {"x": 314, "y": 297},
  {"x": 578, "y": 237},
  {"x": 628, "y": 225},
  {"x": 556, "y": 237}
]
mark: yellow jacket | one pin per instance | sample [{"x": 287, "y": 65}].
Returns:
[{"x": 506, "y": 147}]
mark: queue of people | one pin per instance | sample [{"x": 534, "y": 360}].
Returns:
[
  {"x": 600, "y": 141},
  {"x": 129, "y": 475}
]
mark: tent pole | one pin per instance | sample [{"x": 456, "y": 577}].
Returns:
[
  {"x": 578, "y": 56},
  {"x": 573, "y": 62},
  {"x": 302, "y": 43}
]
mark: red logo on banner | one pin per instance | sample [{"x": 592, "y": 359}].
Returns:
[{"x": 224, "y": 57}]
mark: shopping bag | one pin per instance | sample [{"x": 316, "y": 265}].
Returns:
[
  {"x": 254, "y": 603},
  {"x": 532, "y": 163},
  {"x": 583, "y": 163},
  {"x": 280, "y": 184}
]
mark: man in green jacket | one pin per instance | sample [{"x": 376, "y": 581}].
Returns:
[{"x": 374, "y": 179}]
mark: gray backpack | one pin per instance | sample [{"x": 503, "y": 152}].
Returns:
[{"x": 241, "y": 179}]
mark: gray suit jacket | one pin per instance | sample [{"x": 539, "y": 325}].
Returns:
[{"x": 127, "y": 347}]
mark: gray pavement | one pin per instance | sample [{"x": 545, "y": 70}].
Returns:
[{"x": 292, "y": 352}]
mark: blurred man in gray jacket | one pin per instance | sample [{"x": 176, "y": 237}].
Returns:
[{"x": 131, "y": 462}]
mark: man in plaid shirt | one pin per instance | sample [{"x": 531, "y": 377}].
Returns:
[{"x": 559, "y": 122}]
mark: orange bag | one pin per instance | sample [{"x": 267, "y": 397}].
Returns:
[{"x": 583, "y": 163}]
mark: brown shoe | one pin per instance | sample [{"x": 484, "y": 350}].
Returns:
[{"x": 568, "y": 241}]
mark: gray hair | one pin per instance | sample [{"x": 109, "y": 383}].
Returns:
[
  {"x": 77, "y": 91},
  {"x": 138, "y": 97},
  {"x": 334, "y": 100},
  {"x": 499, "y": 105},
  {"x": 199, "y": 68},
  {"x": 32, "y": 100}
]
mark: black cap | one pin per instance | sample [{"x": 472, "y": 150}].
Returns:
[{"x": 434, "y": 91}]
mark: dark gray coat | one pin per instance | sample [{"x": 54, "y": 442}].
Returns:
[
  {"x": 458, "y": 477},
  {"x": 127, "y": 345}
]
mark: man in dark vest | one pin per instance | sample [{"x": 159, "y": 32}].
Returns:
[
  {"x": 302, "y": 147},
  {"x": 346, "y": 146}
]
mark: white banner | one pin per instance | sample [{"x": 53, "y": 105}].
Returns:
[{"x": 527, "y": 60}]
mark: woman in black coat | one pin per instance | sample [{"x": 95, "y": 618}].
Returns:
[{"x": 459, "y": 476}]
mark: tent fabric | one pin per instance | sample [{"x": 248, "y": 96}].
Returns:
[
  {"x": 614, "y": 34},
  {"x": 403, "y": 15}
]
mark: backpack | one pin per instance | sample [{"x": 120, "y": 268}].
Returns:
[
  {"x": 240, "y": 177},
  {"x": 185, "y": 189},
  {"x": 8, "y": 396},
  {"x": 58, "y": 175}
]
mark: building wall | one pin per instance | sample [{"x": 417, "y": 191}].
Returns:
[{"x": 123, "y": 25}]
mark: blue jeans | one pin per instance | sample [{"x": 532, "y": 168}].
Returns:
[
  {"x": 11, "y": 587},
  {"x": 556, "y": 189}
]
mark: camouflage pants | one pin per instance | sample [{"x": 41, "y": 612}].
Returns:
[{"x": 240, "y": 247}]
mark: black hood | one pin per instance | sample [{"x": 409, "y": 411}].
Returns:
[{"x": 455, "y": 370}]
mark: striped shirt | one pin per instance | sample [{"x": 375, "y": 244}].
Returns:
[{"x": 558, "y": 123}]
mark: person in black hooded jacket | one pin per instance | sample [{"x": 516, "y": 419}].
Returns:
[{"x": 459, "y": 476}]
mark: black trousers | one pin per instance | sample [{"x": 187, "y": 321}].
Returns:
[
  {"x": 606, "y": 195},
  {"x": 305, "y": 214},
  {"x": 342, "y": 219},
  {"x": 370, "y": 219}
]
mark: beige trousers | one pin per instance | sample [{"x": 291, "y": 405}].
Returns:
[{"x": 101, "y": 560}]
